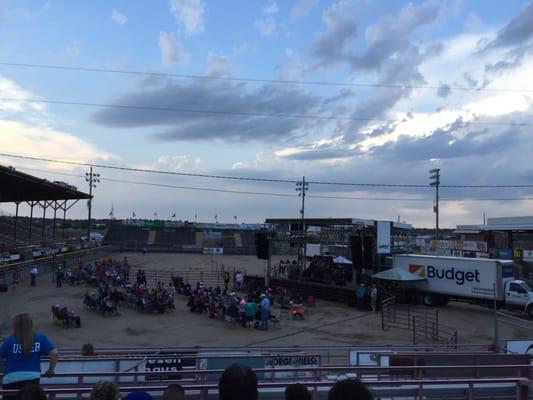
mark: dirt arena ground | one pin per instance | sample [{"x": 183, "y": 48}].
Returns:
[{"x": 327, "y": 323}]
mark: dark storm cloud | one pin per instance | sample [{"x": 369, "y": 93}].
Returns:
[
  {"x": 323, "y": 152},
  {"x": 343, "y": 94},
  {"x": 518, "y": 31},
  {"x": 386, "y": 38},
  {"x": 341, "y": 26},
  {"x": 443, "y": 144},
  {"x": 391, "y": 34},
  {"x": 402, "y": 68},
  {"x": 502, "y": 65},
  {"x": 389, "y": 52},
  {"x": 216, "y": 96}
]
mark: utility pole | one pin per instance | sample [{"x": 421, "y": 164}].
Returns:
[
  {"x": 302, "y": 187},
  {"x": 92, "y": 179},
  {"x": 434, "y": 176},
  {"x": 270, "y": 237}
]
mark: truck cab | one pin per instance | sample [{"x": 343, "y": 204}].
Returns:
[{"x": 519, "y": 294}]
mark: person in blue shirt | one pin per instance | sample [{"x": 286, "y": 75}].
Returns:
[
  {"x": 22, "y": 354},
  {"x": 265, "y": 311}
]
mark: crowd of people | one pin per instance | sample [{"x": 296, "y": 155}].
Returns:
[
  {"x": 251, "y": 311},
  {"x": 159, "y": 299},
  {"x": 112, "y": 279},
  {"x": 367, "y": 297}
]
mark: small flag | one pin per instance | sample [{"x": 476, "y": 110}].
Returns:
[
  {"x": 174, "y": 215},
  {"x": 111, "y": 212},
  {"x": 216, "y": 216},
  {"x": 195, "y": 216},
  {"x": 133, "y": 216},
  {"x": 235, "y": 218},
  {"x": 155, "y": 214}
]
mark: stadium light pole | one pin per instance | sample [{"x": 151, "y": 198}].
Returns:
[
  {"x": 302, "y": 187},
  {"x": 92, "y": 179},
  {"x": 434, "y": 176}
]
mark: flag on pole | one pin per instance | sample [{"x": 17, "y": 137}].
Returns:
[
  {"x": 216, "y": 216},
  {"x": 174, "y": 215},
  {"x": 112, "y": 211},
  {"x": 235, "y": 218},
  {"x": 133, "y": 215},
  {"x": 155, "y": 214}
]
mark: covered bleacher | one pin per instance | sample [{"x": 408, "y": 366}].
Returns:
[
  {"x": 23, "y": 189},
  {"x": 169, "y": 236}
]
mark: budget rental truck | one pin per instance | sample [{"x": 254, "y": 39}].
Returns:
[{"x": 478, "y": 280}]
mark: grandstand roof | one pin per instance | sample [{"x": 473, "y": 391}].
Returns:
[{"x": 17, "y": 186}]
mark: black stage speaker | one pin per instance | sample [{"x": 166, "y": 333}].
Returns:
[
  {"x": 368, "y": 251},
  {"x": 357, "y": 252},
  {"x": 261, "y": 245},
  {"x": 3, "y": 287}
]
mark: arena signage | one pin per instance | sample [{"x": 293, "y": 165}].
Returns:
[
  {"x": 452, "y": 274},
  {"x": 283, "y": 361},
  {"x": 166, "y": 365}
]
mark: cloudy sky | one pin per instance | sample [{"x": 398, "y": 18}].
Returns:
[{"x": 352, "y": 91}]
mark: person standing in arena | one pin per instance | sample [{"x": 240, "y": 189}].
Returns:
[
  {"x": 16, "y": 279},
  {"x": 22, "y": 354},
  {"x": 33, "y": 275},
  {"x": 374, "y": 297},
  {"x": 265, "y": 311}
]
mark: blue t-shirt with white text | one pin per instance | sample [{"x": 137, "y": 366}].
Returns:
[{"x": 20, "y": 367}]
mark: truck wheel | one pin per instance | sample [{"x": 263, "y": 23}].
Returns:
[
  {"x": 530, "y": 312},
  {"x": 444, "y": 300},
  {"x": 429, "y": 300}
]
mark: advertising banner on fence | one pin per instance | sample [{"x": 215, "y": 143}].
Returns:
[
  {"x": 519, "y": 346},
  {"x": 222, "y": 361},
  {"x": 291, "y": 361},
  {"x": 169, "y": 366},
  {"x": 384, "y": 228}
]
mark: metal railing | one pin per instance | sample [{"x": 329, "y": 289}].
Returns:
[
  {"x": 424, "y": 325},
  {"x": 383, "y": 380},
  {"x": 48, "y": 263}
]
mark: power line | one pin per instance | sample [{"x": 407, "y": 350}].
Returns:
[
  {"x": 254, "y": 80},
  {"x": 240, "y": 113},
  {"x": 466, "y": 199},
  {"x": 152, "y": 171},
  {"x": 167, "y": 185},
  {"x": 254, "y": 179}
]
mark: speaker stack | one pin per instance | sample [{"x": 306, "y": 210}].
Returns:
[
  {"x": 356, "y": 246},
  {"x": 261, "y": 245}
]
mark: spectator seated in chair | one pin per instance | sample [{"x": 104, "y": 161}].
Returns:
[
  {"x": 90, "y": 300},
  {"x": 107, "y": 305},
  {"x": 66, "y": 317},
  {"x": 297, "y": 310}
]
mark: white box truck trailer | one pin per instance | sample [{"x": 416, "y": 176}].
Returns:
[{"x": 473, "y": 279}]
